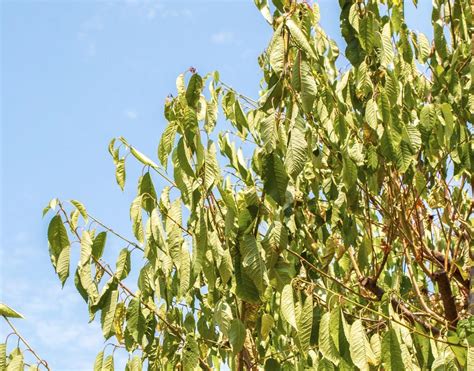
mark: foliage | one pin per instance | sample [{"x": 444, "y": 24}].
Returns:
[{"x": 328, "y": 227}]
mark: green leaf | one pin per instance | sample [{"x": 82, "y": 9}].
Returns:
[
  {"x": 266, "y": 326},
  {"x": 269, "y": 132},
  {"x": 245, "y": 287},
  {"x": 371, "y": 113},
  {"x": 183, "y": 159},
  {"x": 57, "y": 237},
  {"x": 299, "y": 38},
  {"x": 326, "y": 343},
  {"x": 98, "y": 245},
  {"x": 296, "y": 153},
  {"x": 6, "y": 311},
  {"x": 423, "y": 47},
  {"x": 166, "y": 143},
  {"x": 120, "y": 173},
  {"x": 85, "y": 283},
  {"x": 86, "y": 248},
  {"x": 212, "y": 171},
  {"x": 240, "y": 118},
  {"x": 210, "y": 119},
  {"x": 276, "y": 51},
  {"x": 305, "y": 323},
  {"x": 404, "y": 157},
  {"x": 354, "y": 16},
  {"x": 366, "y": 33},
  {"x": 391, "y": 352},
  {"x": 287, "y": 306},
  {"x": 108, "y": 314},
  {"x": 470, "y": 355},
  {"x": 123, "y": 264},
  {"x": 325, "y": 365},
  {"x": 201, "y": 245},
  {"x": 135, "y": 320},
  {"x": 223, "y": 317},
  {"x": 63, "y": 263},
  {"x": 262, "y": 5},
  {"x": 252, "y": 261},
  {"x": 173, "y": 231},
  {"x": 274, "y": 177},
  {"x": 193, "y": 92},
  {"x": 147, "y": 191},
  {"x": 349, "y": 172},
  {"x": 304, "y": 81},
  {"x": 190, "y": 353},
  {"x": 447, "y": 112},
  {"x": 184, "y": 270},
  {"x": 79, "y": 206},
  {"x": 376, "y": 345},
  {"x": 134, "y": 364},
  {"x": 157, "y": 229},
  {"x": 142, "y": 158},
  {"x": 136, "y": 218},
  {"x": 384, "y": 106},
  {"x": 359, "y": 345},
  {"x": 237, "y": 335},
  {"x": 386, "y": 56}
]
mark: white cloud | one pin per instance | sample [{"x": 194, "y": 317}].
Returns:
[
  {"x": 131, "y": 114},
  {"x": 222, "y": 37}
]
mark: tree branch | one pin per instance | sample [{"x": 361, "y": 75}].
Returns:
[
  {"x": 369, "y": 284},
  {"x": 40, "y": 360}
]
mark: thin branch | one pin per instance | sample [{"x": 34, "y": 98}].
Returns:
[
  {"x": 417, "y": 290},
  {"x": 334, "y": 279},
  {"x": 28, "y": 346},
  {"x": 115, "y": 233},
  {"x": 248, "y": 99}
]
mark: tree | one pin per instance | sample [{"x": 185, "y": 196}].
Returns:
[{"x": 343, "y": 241}]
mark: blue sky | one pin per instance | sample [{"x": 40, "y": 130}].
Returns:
[{"x": 73, "y": 76}]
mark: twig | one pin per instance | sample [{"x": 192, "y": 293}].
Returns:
[
  {"x": 115, "y": 233},
  {"x": 40, "y": 360}
]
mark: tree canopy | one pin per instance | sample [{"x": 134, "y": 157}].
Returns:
[{"x": 327, "y": 225}]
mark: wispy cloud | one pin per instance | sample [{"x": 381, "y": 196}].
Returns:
[
  {"x": 53, "y": 313},
  {"x": 131, "y": 114},
  {"x": 222, "y": 37}
]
